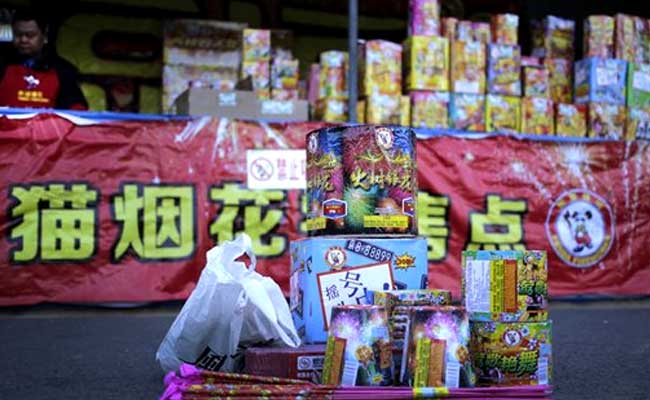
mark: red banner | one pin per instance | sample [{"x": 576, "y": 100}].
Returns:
[{"x": 126, "y": 210}]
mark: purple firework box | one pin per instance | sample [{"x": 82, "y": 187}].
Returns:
[{"x": 337, "y": 270}]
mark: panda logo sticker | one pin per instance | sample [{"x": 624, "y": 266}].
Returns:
[
  {"x": 312, "y": 144},
  {"x": 580, "y": 226},
  {"x": 384, "y": 137}
]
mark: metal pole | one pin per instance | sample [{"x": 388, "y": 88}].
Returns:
[{"x": 353, "y": 35}]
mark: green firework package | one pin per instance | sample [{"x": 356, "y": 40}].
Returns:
[{"x": 361, "y": 180}]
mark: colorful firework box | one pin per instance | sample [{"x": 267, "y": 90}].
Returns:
[
  {"x": 505, "y": 28},
  {"x": 536, "y": 81},
  {"x": 304, "y": 362},
  {"x": 606, "y": 121},
  {"x": 599, "y": 36},
  {"x": 504, "y": 70},
  {"x": 426, "y": 62},
  {"x": 331, "y": 110},
  {"x": 328, "y": 271},
  {"x": 554, "y": 38},
  {"x": 560, "y": 73},
  {"x": 467, "y": 112},
  {"x": 502, "y": 114},
  {"x": 424, "y": 18},
  {"x": 528, "y": 61},
  {"x": 405, "y": 111},
  {"x": 638, "y": 124},
  {"x": 468, "y": 63},
  {"x": 511, "y": 354},
  {"x": 380, "y": 68},
  {"x": 332, "y": 75},
  {"x": 469, "y": 31},
  {"x": 571, "y": 120},
  {"x": 626, "y": 40},
  {"x": 600, "y": 80},
  {"x": 358, "y": 351},
  {"x": 449, "y": 26},
  {"x": 285, "y": 94},
  {"x": 256, "y": 45},
  {"x": 643, "y": 38},
  {"x": 383, "y": 109},
  {"x": 438, "y": 353},
  {"x": 430, "y": 109},
  {"x": 361, "y": 111},
  {"x": 537, "y": 116},
  {"x": 284, "y": 74},
  {"x": 638, "y": 86},
  {"x": 507, "y": 286}
]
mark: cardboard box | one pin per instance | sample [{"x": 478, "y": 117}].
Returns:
[
  {"x": 503, "y": 114},
  {"x": 304, "y": 362},
  {"x": 638, "y": 86},
  {"x": 537, "y": 116},
  {"x": 536, "y": 82},
  {"x": 467, "y": 112},
  {"x": 505, "y": 286},
  {"x": 430, "y": 110},
  {"x": 380, "y": 68},
  {"x": 600, "y": 80},
  {"x": 571, "y": 120},
  {"x": 340, "y": 270},
  {"x": 561, "y": 79},
  {"x": 426, "y": 63},
  {"x": 239, "y": 104},
  {"x": 638, "y": 124},
  {"x": 424, "y": 17},
  {"x": 468, "y": 67},
  {"x": 178, "y": 78},
  {"x": 505, "y": 29},
  {"x": 504, "y": 70},
  {"x": 511, "y": 354},
  {"x": 606, "y": 121},
  {"x": 598, "y": 36},
  {"x": 256, "y": 45}
]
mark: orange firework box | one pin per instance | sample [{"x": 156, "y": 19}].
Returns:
[
  {"x": 571, "y": 120},
  {"x": 560, "y": 78},
  {"x": 536, "y": 82},
  {"x": 468, "y": 62},
  {"x": 426, "y": 62},
  {"x": 381, "y": 68},
  {"x": 502, "y": 114},
  {"x": 599, "y": 36},
  {"x": 505, "y": 28},
  {"x": 537, "y": 116},
  {"x": 606, "y": 121},
  {"x": 429, "y": 109},
  {"x": 256, "y": 45},
  {"x": 467, "y": 112}
]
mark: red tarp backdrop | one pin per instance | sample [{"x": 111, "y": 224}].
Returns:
[{"x": 125, "y": 210}]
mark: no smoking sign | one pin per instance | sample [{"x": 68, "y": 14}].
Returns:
[{"x": 276, "y": 169}]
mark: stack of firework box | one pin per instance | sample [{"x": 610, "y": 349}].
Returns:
[
  {"x": 380, "y": 82},
  {"x": 330, "y": 79},
  {"x": 505, "y": 295},
  {"x": 272, "y": 70}
]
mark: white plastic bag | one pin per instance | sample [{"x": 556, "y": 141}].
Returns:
[{"x": 231, "y": 308}]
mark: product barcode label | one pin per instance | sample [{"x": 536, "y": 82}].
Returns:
[
  {"x": 452, "y": 374},
  {"x": 542, "y": 371},
  {"x": 350, "y": 369},
  {"x": 477, "y": 285}
]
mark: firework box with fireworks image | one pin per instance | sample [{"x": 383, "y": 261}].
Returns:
[
  {"x": 638, "y": 86},
  {"x": 398, "y": 305},
  {"x": 600, "y": 80},
  {"x": 536, "y": 81},
  {"x": 468, "y": 63},
  {"x": 467, "y": 112},
  {"x": 358, "y": 351},
  {"x": 504, "y": 69},
  {"x": 426, "y": 63},
  {"x": 571, "y": 120},
  {"x": 505, "y": 285},
  {"x": 380, "y": 68},
  {"x": 438, "y": 353},
  {"x": 380, "y": 181},
  {"x": 329, "y": 271},
  {"x": 537, "y": 116},
  {"x": 511, "y": 354},
  {"x": 638, "y": 124},
  {"x": 502, "y": 114},
  {"x": 606, "y": 121},
  {"x": 430, "y": 109},
  {"x": 560, "y": 75}
]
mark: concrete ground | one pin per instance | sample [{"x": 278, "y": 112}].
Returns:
[{"x": 601, "y": 351}]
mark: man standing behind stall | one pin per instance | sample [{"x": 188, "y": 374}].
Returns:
[{"x": 31, "y": 75}]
